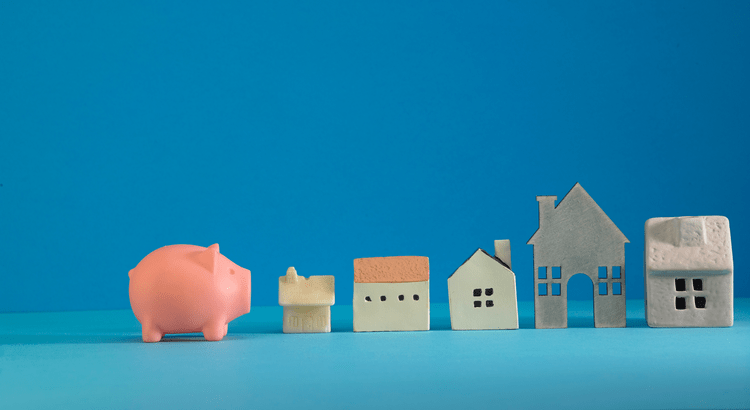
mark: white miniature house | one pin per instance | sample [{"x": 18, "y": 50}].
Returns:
[
  {"x": 689, "y": 272},
  {"x": 307, "y": 302},
  {"x": 391, "y": 294},
  {"x": 482, "y": 291}
]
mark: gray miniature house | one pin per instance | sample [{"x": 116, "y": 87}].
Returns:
[
  {"x": 577, "y": 237},
  {"x": 689, "y": 272},
  {"x": 482, "y": 291},
  {"x": 307, "y": 302}
]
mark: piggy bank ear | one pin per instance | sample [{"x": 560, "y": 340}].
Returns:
[{"x": 208, "y": 258}]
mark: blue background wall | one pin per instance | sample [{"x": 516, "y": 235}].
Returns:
[{"x": 313, "y": 134}]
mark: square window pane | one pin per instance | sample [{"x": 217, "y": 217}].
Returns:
[
  {"x": 679, "y": 303},
  {"x": 477, "y": 303},
  {"x": 489, "y": 303},
  {"x": 700, "y": 302},
  {"x": 679, "y": 285},
  {"x": 603, "y": 288},
  {"x": 489, "y": 291},
  {"x": 616, "y": 272},
  {"x": 556, "y": 272},
  {"x": 542, "y": 272},
  {"x": 602, "y": 272},
  {"x": 542, "y": 289},
  {"x": 556, "y": 289},
  {"x": 697, "y": 284},
  {"x": 617, "y": 288},
  {"x": 477, "y": 292}
]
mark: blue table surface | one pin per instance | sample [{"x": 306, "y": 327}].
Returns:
[{"x": 96, "y": 359}]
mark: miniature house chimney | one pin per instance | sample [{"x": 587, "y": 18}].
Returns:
[
  {"x": 291, "y": 275},
  {"x": 502, "y": 251},
  {"x": 546, "y": 208}
]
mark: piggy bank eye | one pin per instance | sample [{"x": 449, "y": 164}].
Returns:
[{"x": 231, "y": 271}]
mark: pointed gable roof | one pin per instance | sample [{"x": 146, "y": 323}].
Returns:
[
  {"x": 478, "y": 253},
  {"x": 578, "y": 209}
]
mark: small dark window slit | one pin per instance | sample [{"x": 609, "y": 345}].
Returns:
[
  {"x": 382, "y": 298},
  {"x": 489, "y": 291},
  {"x": 477, "y": 292},
  {"x": 477, "y": 303},
  {"x": 679, "y": 285},
  {"x": 679, "y": 303},
  {"x": 697, "y": 284},
  {"x": 700, "y": 302},
  {"x": 416, "y": 297},
  {"x": 489, "y": 303},
  {"x": 367, "y": 299},
  {"x": 401, "y": 298}
]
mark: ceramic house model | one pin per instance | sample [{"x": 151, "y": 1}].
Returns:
[
  {"x": 577, "y": 237},
  {"x": 307, "y": 302},
  {"x": 689, "y": 272},
  {"x": 482, "y": 291},
  {"x": 391, "y": 293}
]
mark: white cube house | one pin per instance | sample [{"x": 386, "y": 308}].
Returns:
[{"x": 689, "y": 272}]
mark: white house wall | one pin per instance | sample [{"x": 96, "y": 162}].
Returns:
[
  {"x": 307, "y": 319},
  {"x": 661, "y": 293},
  {"x": 392, "y": 314},
  {"x": 483, "y": 272}
]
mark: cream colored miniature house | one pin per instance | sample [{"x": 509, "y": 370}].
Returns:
[
  {"x": 391, "y": 294},
  {"x": 307, "y": 302},
  {"x": 482, "y": 291},
  {"x": 689, "y": 272}
]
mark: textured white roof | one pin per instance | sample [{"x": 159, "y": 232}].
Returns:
[{"x": 689, "y": 243}]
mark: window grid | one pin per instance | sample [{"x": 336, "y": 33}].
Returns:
[
  {"x": 477, "y": 293},
  {"x": 554, "y": 279},
  {"x": 609, "y": 278},
  {"x": 687, "y": 291},
  {"x": 610, "y": 281}
]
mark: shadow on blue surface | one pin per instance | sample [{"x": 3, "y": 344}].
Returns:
[{"x": 120, "y": 326}]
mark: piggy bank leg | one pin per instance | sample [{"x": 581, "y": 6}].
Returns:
[
  {"x": 151, "y": 333},
  {"x": 215, "y": 331}
]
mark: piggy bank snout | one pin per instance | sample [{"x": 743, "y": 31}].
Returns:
[{"x": 242, "y": 276}]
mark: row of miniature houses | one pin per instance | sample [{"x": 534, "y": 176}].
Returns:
[{"x": 688, "y": 277}]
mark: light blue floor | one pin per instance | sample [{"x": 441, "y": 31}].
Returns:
[{"x": 97, "y": 360}]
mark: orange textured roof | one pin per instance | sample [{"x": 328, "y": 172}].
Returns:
[{"x": 392, "y": 269}]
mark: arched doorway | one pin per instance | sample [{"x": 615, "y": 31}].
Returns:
[{"x": 580, "y": 301}]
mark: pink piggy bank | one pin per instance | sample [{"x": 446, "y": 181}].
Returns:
[{"x": 186, "y": 289}]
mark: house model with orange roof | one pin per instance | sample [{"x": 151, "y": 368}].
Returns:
[
  {"x": 391, "y": 294},
  {"x": 307, "y": 302}
]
